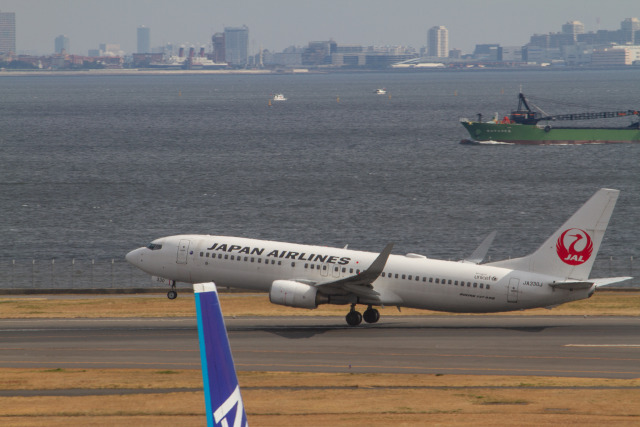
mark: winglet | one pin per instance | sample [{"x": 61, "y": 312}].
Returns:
[
  {"x": 481, "y": 251},
  {"x": 377, "y": 266},
  {"x": 221, "y": 388}
]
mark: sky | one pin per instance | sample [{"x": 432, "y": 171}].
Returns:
[{"x": 277, "y": 24}]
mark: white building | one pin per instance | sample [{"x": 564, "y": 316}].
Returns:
[{"x": 438, "y": 42}]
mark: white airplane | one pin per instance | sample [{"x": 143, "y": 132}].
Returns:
[{"x": 306, "y": 276}]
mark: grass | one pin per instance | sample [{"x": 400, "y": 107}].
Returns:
[
  {"x": 314, "y": 399},
  {"x": 603, "y": 303}
]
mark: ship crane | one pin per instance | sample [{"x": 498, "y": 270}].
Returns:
[{"x": 525, "y": 115}]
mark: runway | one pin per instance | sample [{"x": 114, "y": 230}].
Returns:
[{"x": 598, "y": 347}]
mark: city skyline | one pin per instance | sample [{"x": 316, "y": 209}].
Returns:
[{"x": 282, "y": 23}]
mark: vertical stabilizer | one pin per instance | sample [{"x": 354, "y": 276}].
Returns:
[
  {"x": 221, "y": 389},
  {"x": 570, "y": 252}
]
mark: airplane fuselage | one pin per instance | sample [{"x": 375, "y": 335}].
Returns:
[{"x": 411, "y": 280}]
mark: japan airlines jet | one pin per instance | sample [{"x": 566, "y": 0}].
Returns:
[{"x": 306, "y": 276}]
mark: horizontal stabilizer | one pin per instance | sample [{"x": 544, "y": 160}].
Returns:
[
  {"x": 572, "y": 286},
  {"x": 609, "y": 281},
  {"x": 587, "y": 284}
]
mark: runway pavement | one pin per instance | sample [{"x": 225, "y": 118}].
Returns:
[{"x": 603, "y": 347}]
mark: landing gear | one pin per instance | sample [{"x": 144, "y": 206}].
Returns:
[
  {"x": 172, "y": 294},
  {"x": 371, "y": 315},
  {"x": 354, "y": 318}
]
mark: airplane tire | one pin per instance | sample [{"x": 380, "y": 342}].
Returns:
[
  {"x": 354, "y": 318},
  {"x": 371, "y": 315},
  {"x": 172, "y": 294}
]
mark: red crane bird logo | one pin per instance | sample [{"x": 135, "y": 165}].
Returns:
[{"x": 570, "y": 255}]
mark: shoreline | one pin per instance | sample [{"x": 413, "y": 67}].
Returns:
[{"x": 294, "y": 71}]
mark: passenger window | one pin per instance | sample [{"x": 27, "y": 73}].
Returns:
[
  {"x": 475, "y": 285},
  {"x": 232, "y": 258},
  {"x": 481, "y": 285},
  {"x": 404, "y": 277},
  {"x": 293, "y": 264},
  {"x": 201, "y": 253},
  {"x": 226, "y": 257},
  {"x": 409, "y": 277},
  {"x": 488, "y": 286},
  {"x": 207, "y": 254},
  {"x": 437, "y": 280},
  {"x": 430, "y": 279}
]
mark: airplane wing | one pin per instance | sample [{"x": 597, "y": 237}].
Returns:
[
  {"x": 360, "y": 284},
  {"x": 587, "y": 284}
]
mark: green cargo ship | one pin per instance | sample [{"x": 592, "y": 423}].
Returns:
[{"x": 525, "y": 126}]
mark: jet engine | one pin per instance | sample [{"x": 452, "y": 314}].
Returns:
[{"x": 295, "y": 294}]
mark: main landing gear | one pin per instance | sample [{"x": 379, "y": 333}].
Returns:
[
  {"x": 354, "y": 318},
  {"x": 172, "y": 294}
]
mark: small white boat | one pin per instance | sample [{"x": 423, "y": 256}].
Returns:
[
  {"x": 279, "y": 97},
  {"x": 380, "y": 92}
]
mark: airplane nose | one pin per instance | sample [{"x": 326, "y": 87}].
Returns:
[{"x": 134, "y": 257}]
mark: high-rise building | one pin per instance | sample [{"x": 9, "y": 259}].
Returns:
[
  {"x": 438, "y": 42},
  {"x": 62, "y": 44},
  {"x": 573, "y": 28},
  {"x": 7, "y": 32},
  {"x": 629, "y": 27},
  {"x": 218, "y": 47},
  {"x": 236, "y": 45},
  {"x": 144, "y": 40}
]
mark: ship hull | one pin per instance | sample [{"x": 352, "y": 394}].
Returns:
[{"x": 547, "y": 135}]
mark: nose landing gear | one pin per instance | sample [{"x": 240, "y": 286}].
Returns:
[{"x": 354, "y": 318}]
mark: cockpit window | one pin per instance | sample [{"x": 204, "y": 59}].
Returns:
[{"x": 154, "y": 246}]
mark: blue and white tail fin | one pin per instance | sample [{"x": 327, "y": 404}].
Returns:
[
  {"x": 221, "y": 389},
  {"x": 570, "y": 252}
]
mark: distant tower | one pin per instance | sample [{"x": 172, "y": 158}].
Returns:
[
  {"x": 144, "y": 40},
  {"x": 7, "y": 32},
  {"x": 629, "y": 27},
  {"x": 218, "y": 47},
  {"x": 236, "y": 45},
  {"x": 62, "y": 44},
  {"x": 573, "y": 28},
  {"x": 438, "y": 42}
]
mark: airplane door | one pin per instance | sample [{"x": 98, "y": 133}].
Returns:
[
  {"x": 183, "y": 250},
  {"x": 512, "y": 293}
]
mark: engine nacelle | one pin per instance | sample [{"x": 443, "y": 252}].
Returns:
[{"x": 293, "y": 294}]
